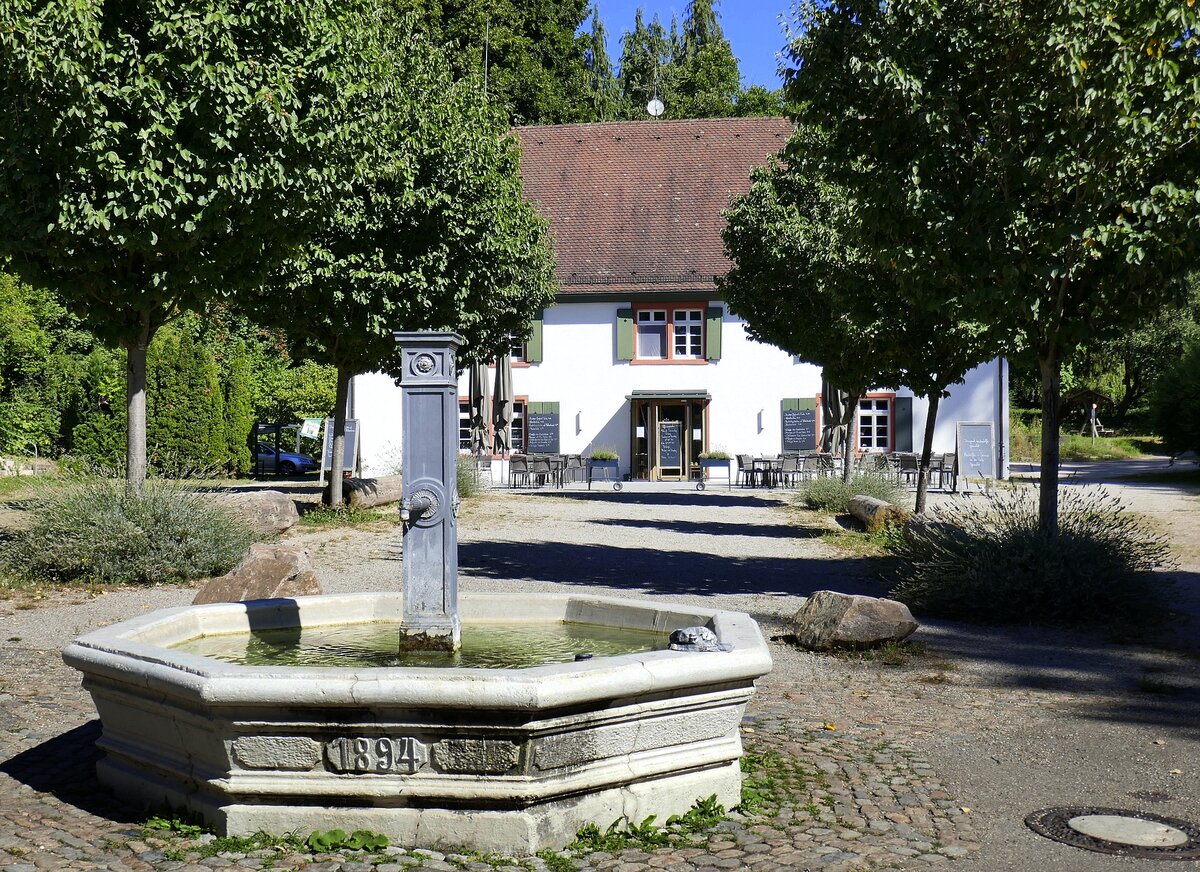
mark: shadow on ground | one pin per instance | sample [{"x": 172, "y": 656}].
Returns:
[
  {"x": 662, "y": 498},
  {"x": 1095, "y": 677},
  {"x": 65, "y": 767},
  {"x": 658, "y": 571},
  {"x": 717, "y": 528}
]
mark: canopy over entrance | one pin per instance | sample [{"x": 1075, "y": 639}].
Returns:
[{"x": 668, "y": 430}]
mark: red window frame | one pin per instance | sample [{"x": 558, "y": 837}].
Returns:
[{"x": 670, "y": 308}]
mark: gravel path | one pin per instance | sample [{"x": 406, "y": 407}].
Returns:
[{"x": 933, "y": 763}]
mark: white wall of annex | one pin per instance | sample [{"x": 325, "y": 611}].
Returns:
[{"x": 580, "y": 372}]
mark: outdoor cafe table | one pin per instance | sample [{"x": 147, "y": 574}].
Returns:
[{"x": 766, "y": 468}]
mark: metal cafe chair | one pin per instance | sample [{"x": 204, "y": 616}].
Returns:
[
  {"x": 518, "y": 470},
  {"x": 790, "y": 469},
  {"x": 540, "y": 470},
  {"x": 745, "y": 470}
]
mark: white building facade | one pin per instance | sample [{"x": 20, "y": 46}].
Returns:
[{"x": 640, "y": 355}]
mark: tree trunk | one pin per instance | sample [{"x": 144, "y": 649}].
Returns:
[
  {"x": 848, "y": 461},
  {"x": 1048, "y": 497},
  {"x": 935, "y": 399},
  {"x": 339, "y": 438},
  {"x": 135, "y": 410}
]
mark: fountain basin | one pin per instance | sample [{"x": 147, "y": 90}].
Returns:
[{"x": 512, "y": 760}]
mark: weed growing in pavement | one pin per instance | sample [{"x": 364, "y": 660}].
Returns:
[
  {"x": 180, "y": 826},
  {"x": 87, "y": 529},
  {"x": 771, "y": 779},
  {"x": 985, "y": 559},
  {"x": 623, "y": 833},
  {"x": 556, "y": 862}
]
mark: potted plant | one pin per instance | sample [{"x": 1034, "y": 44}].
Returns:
[
  {"x": 715, "y": 458},
  {"x": 605, "y": 459}
]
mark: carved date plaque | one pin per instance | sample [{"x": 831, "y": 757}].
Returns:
[{"x": 378, "y": 755}]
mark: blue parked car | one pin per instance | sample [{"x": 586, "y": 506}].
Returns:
[{"x": 289, "y": 462}]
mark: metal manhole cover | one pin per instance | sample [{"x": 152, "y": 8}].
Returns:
[{"x": 1119, "y": 831}]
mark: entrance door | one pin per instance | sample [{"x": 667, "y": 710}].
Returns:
[{"x": 667, "y": 436}]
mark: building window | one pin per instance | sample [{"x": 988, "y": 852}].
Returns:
[
  {"x": 688, "y": 328},
  {"x": 676, "y": 333},
  {"x": 516, "y": 348},
  {"x": 875, "y": 424},
  {"x": 464, "y": 425},
  {"x": 652, "y": 334},
  {"x": 518, "y": 427}
]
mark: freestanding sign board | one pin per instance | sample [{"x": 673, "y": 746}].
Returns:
[
  {"x": 670, "y": 449},
  {"x": 976, "y": 449},
  {"x": 349, "y": 455}
]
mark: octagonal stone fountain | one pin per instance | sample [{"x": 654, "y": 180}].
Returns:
[{"x": 495, "y": 759}]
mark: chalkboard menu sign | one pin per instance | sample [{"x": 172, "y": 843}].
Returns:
[
  {"x": 542, "y": 432},
  {"x": 350, "y": 446},
  {"x": 976, "y": 450},
  {"x": 799, "y": 429},
  {"x": 670, "y": 449}
]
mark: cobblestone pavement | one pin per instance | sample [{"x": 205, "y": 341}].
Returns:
[
  {"x": 837, "y": 796},
  {"x": 855, "y": 764}
]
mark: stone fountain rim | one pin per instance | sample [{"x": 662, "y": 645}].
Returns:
[{"x": 140, "y": 644}]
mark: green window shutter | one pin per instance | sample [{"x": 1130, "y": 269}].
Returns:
[
  {"x": 544, "y": 408},
  {"x": 624, "y": 334},
  {"x": 788, "y": 404},
  {"x": 806, "y": 403},
  {"x": 904, "y": 424},
  {"x": 713, "y": 338},
  {"x": 533, "y": 348}
]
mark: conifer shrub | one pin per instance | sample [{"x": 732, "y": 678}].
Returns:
[
  {"x": 85, "y": 528},
  {"x": 185, "y": 414},
  {"x": 985, "y": 559},
  {"x": 239, "y": 411}
]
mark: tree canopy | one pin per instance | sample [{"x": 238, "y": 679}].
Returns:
[
  {"x": 155, "y": 156},
  {"x": 1034, "y": 164},
  {"x": 435, "y": 234},
  {"x": 536, "y": 68},
  {"x": 802, "y": 283}
]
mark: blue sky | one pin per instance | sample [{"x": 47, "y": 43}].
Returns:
[{"x": 752, "y": 27}]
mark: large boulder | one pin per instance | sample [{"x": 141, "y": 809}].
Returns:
[
  {"x": 876, "y": 514},
  {"x": 837, "y": 620},
  {"x": 365, "y": 493},
  {"x": 267, "y": 512},
  {"x": 266, "y": 572}
]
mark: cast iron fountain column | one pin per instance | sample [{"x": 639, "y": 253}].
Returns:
[{"x": 429, "y": 507}]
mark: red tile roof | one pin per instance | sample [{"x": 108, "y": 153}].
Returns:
[{"x": 636, "y": 205}]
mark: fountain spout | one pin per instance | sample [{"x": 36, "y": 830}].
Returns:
[{"x": 429, "y": 507}]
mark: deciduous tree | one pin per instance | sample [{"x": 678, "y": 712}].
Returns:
[
  {"x": 155, "y": 155},
  {"x": 1035, "y": 164},
  {"x": 802, "y": 283},
  {"x": 435, "y": 234}
]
